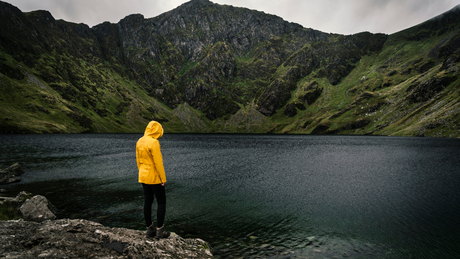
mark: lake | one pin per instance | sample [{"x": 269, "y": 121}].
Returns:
[{"x": 271, "y": 196}]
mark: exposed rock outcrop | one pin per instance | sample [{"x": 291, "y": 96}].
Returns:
[
  {"x": 36, "y": 208},
  {"x": 39, "y": 235},
  {"x": 18, "y": 200},
  {"x": 78, "y": 238},
  {"x": 427, "y": 89},
  {"x": 312, "y": 94}
]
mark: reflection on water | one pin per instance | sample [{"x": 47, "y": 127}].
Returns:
[{"x": 274, "y": 196}]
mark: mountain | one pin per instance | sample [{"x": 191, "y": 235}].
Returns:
[{"x": 204, "y": 67}]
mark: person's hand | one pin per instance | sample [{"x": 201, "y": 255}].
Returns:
[{"x": 162, "y": 184}]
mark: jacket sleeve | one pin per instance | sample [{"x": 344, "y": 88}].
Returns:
[
  {"x": 158, "y": 160},
  {"x": 137, "y": 157}
]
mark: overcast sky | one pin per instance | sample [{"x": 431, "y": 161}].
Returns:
[{"x": 336, "y": 16}]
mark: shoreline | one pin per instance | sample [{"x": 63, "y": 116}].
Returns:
[
  {"x": 39, "y": 234},
  {"x": 79, "y": 238}
]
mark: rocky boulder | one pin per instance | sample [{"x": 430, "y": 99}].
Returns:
[
  {"x": 37, "y": 209},
  {"x": 11, "y": 174},
  {"x": 9, "y": 206},
  {"x": 78, "y": 238}
]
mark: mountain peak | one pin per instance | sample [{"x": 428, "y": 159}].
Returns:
[
  {"x": 221, "y": 63},
  {"x": 197, "y": 3},
  {"x": 201, "y": 1}
]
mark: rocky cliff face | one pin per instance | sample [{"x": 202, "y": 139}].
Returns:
[
  {"x": 222, "y": 61},
  {"x": 196, "y": 45}
]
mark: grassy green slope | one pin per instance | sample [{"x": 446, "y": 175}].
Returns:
[
  {"x": 98, "y": 100},
  {"x": 401, "y": 84},
  {"x": 376, "y": 97}
]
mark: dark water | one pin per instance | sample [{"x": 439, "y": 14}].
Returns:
[{"x": 274, "y": 196}]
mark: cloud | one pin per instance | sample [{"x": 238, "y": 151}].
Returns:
[
  {"x": 351, "y": 16},
  {"x": 93, "y": 12},
  {"x": 344, "y": 17}
]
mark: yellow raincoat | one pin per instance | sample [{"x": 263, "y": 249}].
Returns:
[{"x": 148, "y": 155}]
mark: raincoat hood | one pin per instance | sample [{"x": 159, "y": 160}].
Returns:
[{"x": 154, "y": 129}]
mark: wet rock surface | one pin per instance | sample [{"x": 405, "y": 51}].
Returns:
[
  {"x": 11, "y": 174},
  {"x": 79, "y": 238}
]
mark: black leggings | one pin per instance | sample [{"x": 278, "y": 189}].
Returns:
[{"x": 150, "y": 192}]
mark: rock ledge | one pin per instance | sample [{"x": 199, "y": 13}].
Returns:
[{"x": 78, "y": 238}]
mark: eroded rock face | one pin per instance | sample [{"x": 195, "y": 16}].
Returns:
[
  {"x": 78, "y": 238},
  {"x": 425, "y": 90},
  {"x": 290, "y": 110},
  {"x": 312, "y": 94}
]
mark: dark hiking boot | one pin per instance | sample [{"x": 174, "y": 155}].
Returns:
[
  {"x": 151, "y": 231},
  {"x": 162, "y": 233}
]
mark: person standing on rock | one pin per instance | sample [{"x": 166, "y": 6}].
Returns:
[{"x": 153, "y": 179}]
